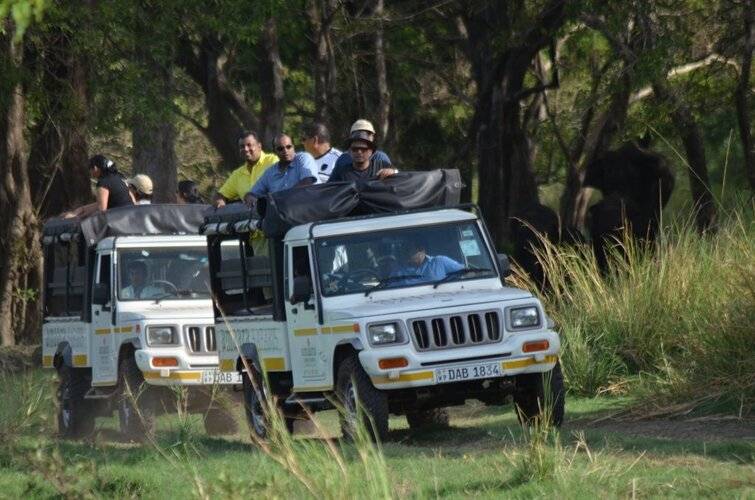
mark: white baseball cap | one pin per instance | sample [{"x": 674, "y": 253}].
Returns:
[
  {"x": 142, "y": 183},
  {"x": 362, "y": 124}
]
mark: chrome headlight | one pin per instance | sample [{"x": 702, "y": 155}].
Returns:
[
  {"x": 386, "y": 333},
  {"x": 161, "y": 335},
  {"x": 524, "y": 317}
]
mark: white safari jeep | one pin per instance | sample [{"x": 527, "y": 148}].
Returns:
[
  {"x": 403, "y": 313},
  {"x": 128, "y": 315}
]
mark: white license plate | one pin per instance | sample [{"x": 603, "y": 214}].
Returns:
[
  {"x": 468, "y": 372},
  {"x": 211, "y": 377}
]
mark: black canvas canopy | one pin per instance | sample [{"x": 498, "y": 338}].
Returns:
[
  {"x": 334, "y": 200},
  {"x": 136, "y": 220}
]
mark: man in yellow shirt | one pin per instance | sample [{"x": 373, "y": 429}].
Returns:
[{"x": 243, "y": 178}]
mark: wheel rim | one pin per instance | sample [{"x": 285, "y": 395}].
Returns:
[
  {"x": 66, "y": 417},
  {"x": 350, "y": 399},
  {"x": 255, "y": 413}
]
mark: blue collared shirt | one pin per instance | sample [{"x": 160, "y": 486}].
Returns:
[
  {"x": 276, "y": 179},
  {"x": 433, "y": 268}
]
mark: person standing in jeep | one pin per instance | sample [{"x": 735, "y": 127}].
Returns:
[
  {"x": 362, "y": 148},
  {"x": 316, "y": 141}
]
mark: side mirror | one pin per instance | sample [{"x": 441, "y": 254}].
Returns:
[
  {"x": 504, "y": 264},
  {"x": 302, "y": 290},
  {"x": 101, "y": 294}
]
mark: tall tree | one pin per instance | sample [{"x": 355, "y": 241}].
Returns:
[
  {"x": 19, "y": 236},
  {"x": 59, "y": 146},
  {"x": 743, "y": 94},
  {"x": 503, "y": 41},
  {"x": 153, "y": 130}
]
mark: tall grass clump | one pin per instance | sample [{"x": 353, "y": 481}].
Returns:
[
  {"x": 26, "y": 406},
  {"x": 675, "y": 321}
]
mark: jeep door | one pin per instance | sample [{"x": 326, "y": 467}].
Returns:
[{"x": 310, "y": 363}]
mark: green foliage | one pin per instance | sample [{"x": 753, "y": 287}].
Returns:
[
  {"x": 23, "y": 13},
  {"x": 679, "y": 318}
]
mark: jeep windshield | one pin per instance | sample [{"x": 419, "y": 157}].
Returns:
[
  {"x": 399, "y": 258},
  {"x": 177, "y": 273}
]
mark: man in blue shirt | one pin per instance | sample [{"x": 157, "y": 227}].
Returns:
[
  {"x": 292, "y": 169},
  {"x": 425, "y": 268}
]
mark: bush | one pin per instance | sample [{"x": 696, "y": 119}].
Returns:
[{"x": 674, "y": 323}]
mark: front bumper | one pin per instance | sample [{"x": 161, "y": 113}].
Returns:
[
  {"x": 194, "y": 369},
  {"x": 426, "y": 368}
]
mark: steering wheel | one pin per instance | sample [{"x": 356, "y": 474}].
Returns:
[
  {"x": 360, "y": 275},
  {"x": 166, "y": 285}
]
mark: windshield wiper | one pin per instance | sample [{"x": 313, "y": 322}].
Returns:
[
  {"x": 390, "y": 279},
  {"x": 463, "y": 270}
]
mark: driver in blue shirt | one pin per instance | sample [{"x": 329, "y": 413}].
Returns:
[{"x": 424, "y": 268}]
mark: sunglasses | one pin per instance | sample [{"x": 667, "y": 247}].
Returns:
[
  {"x": 283, "y": 148},
  {"x": 359, "y": 149}
]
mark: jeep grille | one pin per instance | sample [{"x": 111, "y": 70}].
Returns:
[
  {"x": 201, "y": 339},
  {"x": 456, "y": 330}
]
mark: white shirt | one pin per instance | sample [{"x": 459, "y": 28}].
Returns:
[
  {"x": 325, "y": 164},
  {"x": 146, "y": 292}
]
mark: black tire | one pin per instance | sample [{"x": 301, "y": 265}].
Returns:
[
  {"x": 219, "y": 422},
  {"x": 436, "y": 418},
  {"x": 530, "y": 397},
  {"x": 354, "y": 389},
  {"x": 75, "y": 414},
  {"x": 136, "y": 411},
  {"x": 256, "y": 407}
]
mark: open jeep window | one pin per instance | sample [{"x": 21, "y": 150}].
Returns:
[
  {"x": 178, "y": 273},
  {"x": 398, "y": 258},
  {"x": 65, "y": 278},
  {"x": 244, "y": 277}
]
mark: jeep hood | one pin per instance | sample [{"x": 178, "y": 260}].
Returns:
[
  {"x": 424, "y": 303},
  {"x": 189, "y": 312}
]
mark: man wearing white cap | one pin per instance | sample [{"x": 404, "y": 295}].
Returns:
[
  {"x": 378, "y": 164},
  {"x": 140, "y": 186},
  {"x": 379, "y": 161}
]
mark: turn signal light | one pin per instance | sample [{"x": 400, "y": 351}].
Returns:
[
  {"x": 164, "y": 362},
  {"x": 537, "y": 345},
  {"x": 388, "y": 363}
]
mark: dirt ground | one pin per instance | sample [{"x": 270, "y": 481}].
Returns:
[{"x": 702, "y": 429}]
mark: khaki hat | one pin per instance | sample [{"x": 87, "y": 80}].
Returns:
[
  {"x": 142, "y": 183},
  {"x": 362, "y": 124}
]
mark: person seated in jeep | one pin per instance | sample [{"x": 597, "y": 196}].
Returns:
[
  {"x": 138, "y": 289},
  {"x": 424, "y": 268}
]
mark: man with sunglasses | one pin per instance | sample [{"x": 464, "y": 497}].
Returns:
[
  {"x": 292, "y": 169},
  {"x": 362, "y": 167}
]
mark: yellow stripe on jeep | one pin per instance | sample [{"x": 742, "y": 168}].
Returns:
[
  {"x": 80, "y": 360},
  {"x": 102, "y": 331},
  {"x": 124, "y": 329},
  {"x": 303, "y": 332},
  {"x": 154, "y": 375},
  {"x": 227, "y": 365},
  {"x": 404, "y": 377},
  {"x": 312, "y": 388},
  {"x": 273, "y": 364},
  {"x": 338, "y": 329},
  {"x": 46, "y": 361},
  {"x": 521, "y": 363}
]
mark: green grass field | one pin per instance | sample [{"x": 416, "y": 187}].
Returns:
[{"x": 485, "y": 453}]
